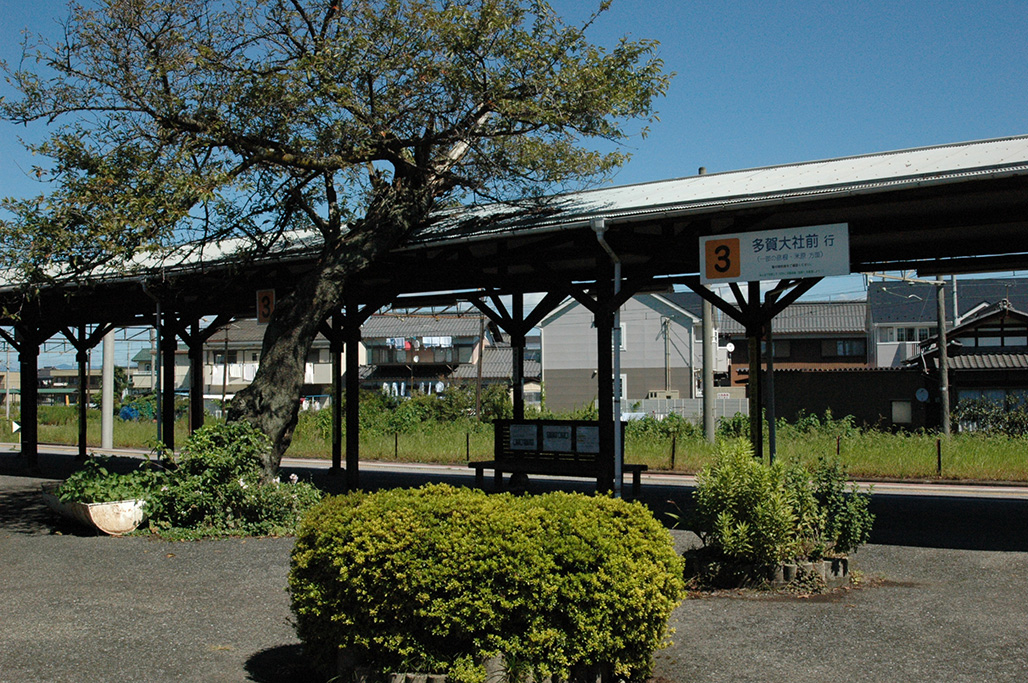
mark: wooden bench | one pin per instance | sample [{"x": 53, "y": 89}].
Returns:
[{"x": 563, "y": 448}]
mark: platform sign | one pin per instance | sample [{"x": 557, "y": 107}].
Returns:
[
  {"x": 265, "y": 304},
  {"x": 788, "y": 253},
  {"x": 587, "y": 439},
  {"x": 523, "y": 438},
  {"x": 557, "y": 438}
]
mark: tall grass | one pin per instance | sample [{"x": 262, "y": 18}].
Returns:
[{"x": 678, "y": 447}]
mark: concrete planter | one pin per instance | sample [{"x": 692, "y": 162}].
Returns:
[
  {"x": 114, "y": 518},
  {"x": 835, "y": 571}
]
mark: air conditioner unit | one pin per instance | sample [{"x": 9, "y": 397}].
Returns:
[{"x": 663, "y": 395}]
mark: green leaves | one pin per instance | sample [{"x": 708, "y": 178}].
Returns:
[
  {"x": 96, "y": 483},
  {"x": 192, "y": 119},
  {"x": 440, "y": 576},
  {"x": 216, "y": 488},
  {"x": 760, "y": 514}
]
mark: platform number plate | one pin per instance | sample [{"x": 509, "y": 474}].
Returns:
[
  {"x": 722, "y": 259},
  {"x": 265, "y": 304}
]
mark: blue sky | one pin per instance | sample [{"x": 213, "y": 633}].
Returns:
[{"x": 762, "y": 83}]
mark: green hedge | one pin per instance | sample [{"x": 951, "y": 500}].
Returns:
[{"x": 438, "y": 577}]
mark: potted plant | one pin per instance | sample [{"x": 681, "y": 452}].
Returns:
[{"x": 101, "y": 499}]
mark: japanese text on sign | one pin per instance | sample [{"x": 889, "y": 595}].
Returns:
[{"x": 811, "y": 251}]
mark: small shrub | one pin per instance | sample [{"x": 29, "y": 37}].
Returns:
[
  {"x": 743, "y": 509},
  {"x": 96, "y": 482},
  {"x": 991, "y": 417},
  {"x": 215, "y": 488},
  {"x": 753, "y": 514},
  {"x": 218, "y": 487},
  {"x": 439, "y": 578},
  {"x": 847, "y": 518},
  {"x": 735, "y": 427},
  {"x": 670, "y": 425}
]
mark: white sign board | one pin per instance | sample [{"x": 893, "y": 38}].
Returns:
[
  {"x": 788, "y": 253},
  {"x": 523, "y": 438},
  {"x": 557, "y": 438},
  {"x": 588, "y": 439}
]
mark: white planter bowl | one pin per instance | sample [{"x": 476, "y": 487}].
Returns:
[{"x": 114, "y": 518}]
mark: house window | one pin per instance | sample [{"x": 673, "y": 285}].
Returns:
[
  {"x": 886, "y": 334},
  {"x": 901, "y": 412},
  {"x": 843, "y": 348},
  {"x": 623, "y": 336},
  {"x": 219, "y": 357},
  {"x": 783, "y": 348}
]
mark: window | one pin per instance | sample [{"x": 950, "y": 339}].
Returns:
[
  {"x": 901, "y": 412},
  {"x": 903, "y": 334},
  {"x": 782, "y": 348},
  {"x": 623, "y": 335},
  {"x": 219, "y": 357},
  {"x": 844, "y": 348}
]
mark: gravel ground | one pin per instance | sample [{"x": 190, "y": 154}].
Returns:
[{"x": 75, "y": 607}]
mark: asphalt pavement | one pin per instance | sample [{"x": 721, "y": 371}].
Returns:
[{"x": 941, "y": 598}]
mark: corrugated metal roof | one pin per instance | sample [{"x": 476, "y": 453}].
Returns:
[
  {"x": 498, "y": 362},
  {"x": 987, "y": 361},
  {"x": 413, "y": 325},
  {"x": 914, "y": 302},
  {"x": 770, "y": 185},
  {"x": 813, "y": 317}
]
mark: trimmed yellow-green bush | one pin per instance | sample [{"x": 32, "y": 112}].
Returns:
[{"x": 434, "y": 578}]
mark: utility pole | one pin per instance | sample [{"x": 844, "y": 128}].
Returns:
[
  {"x": 107, "y": 393},
  {"x": 709, "y": 351},
  {"x": 478, "y": 368},
  {"x": 940, "y": 295},
  {"x": 709, "y": 359}
]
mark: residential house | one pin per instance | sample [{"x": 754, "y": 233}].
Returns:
[
  {"x": 142, "y": 373},
  {"x": 10, "y": 387},
  {"x": 813, "y": 335},
  {"x": 903, "y": 314},
  {"x": 398, "y": 353},
  {"x": 60, "y": 386},
  {"x": 987, "y": 356},
  {"x": 230, "y": 359},
  {"x": 821, "y": 363},
  {"x": 426, "y": 353},
  {"x": 661, "y": 352}
]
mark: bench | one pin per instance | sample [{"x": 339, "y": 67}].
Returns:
[{"x": 562, "y": 448}]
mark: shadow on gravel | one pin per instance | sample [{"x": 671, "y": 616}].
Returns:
[
  {"x": 282, "y": 664},
  {"x": 22, "y": 511},
  {"x": 951, "y": 522}
]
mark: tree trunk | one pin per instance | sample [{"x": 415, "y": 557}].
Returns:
[{"x": 272, "y": 401}]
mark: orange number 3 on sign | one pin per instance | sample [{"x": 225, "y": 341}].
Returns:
[{"x": 721, "y": 259}]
